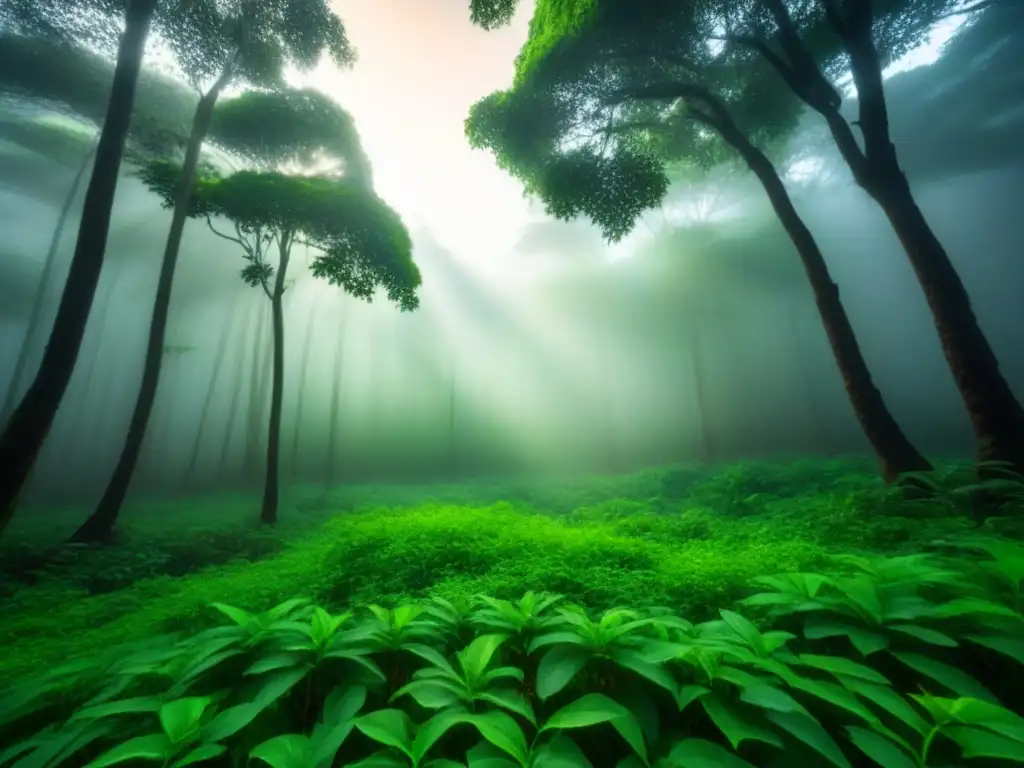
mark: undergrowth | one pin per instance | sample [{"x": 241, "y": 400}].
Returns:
[{"x": 903, "y": 662}]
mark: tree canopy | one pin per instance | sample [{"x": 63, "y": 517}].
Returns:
[
  {"x": 608, "y": 93},
  {"x": 362, "y": 242}
]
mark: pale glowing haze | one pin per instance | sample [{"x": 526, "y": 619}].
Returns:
[{"x": 421, "y": 65}]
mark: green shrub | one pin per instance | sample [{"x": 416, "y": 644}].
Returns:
[{"x": 906, "y": 661}]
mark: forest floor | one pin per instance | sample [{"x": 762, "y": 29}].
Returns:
[{"x": 688, "y": 538}]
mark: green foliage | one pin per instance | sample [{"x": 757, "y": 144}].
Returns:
[
  {"x": 363, "y": 243},
  {"x": 540, "y": 682},
  {"x": 283, "y": 127},
  {"x": 603, "y": 85}
]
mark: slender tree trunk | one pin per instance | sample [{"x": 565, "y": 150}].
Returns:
[
  {"x": 26, "y": 430},
  {"x": 996, "y": 414},
  {"x": 335, "y": 422},
  {"x": 211, "y": 388},
  {"x": 300, "y": 394},
  {"x": 39, "y": 300},
  {"x": 253, "y": 429},
  {"x": 271, "y": 490},
  {"x": 707, "y": 443},
  {"x": 100, "y": 525},
  {"x": 896, "y": 453},
  {"x": 80, "y": 422}
]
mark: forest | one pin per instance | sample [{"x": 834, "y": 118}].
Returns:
[{"x": 556, "y": 384}]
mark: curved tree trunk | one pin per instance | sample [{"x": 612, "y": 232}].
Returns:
[
  {"x": 996, "y": 414},
  {"x": 211, "y": 388},
  {"x": 100, "y": 525},
  {"x": 39, "y": 300},
  {"x": 271, "y": 489},
  {"x": 26, "y": 430},
  {"x": 300, "y": 393},
  {"x": 895, "y": 451}
]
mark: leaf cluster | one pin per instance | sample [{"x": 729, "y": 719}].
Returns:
[
  {"x": 362, "y": 241},
  {"x": 837, "y": 669}
]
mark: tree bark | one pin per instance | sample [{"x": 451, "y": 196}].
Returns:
[
  {"x": 211, "y": 388},
  {"x": 300, "y": 393},
  {"x": 27, "y": 429},
  {"x": 895, "y": 452},
  {"x": 39, "y": 300},
  {"x": 100, "y": 525},
  {"x": 252, "y": 440},
  {"x": 271, "y": 490},
  {"x": 996, "y": 415}
]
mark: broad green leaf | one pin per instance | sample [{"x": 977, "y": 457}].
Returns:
[
  {"x": 925, "y": 635},
  {"x": 954, "y": 679},
  {"x": 889, "y": 700},
  {"x": 327, "y": 740},
  {"x": 432, "y": 694},
  {"x": 976, "y": 742},
  {"x": 886, "y": 753},
  {"x": 486, "y": 755},
  {"x": 746, "y": 630},
  {"x": 769, "y": 697},
  {"x": 155, "y": 746},
  {"x": 965, "y": 606},
  {"x": 382, "y": 759},
  {"x": 432, "y": 730},
  {"x": 478, "y": 654},
  {"x": 1008, "y": 646},
  {"x": 555, "y": 638},
  {"x": 734, "y": 726},
  {"x": 833, "y": 694},
  {"x": 590, "y": 709},
  {"x": 121, "y": 707},
  {"x": 180, "y": 719},
  {"x": 434, "y": 657},
  {"x": 390, "y": 727},
  {"x": 343, "y": 703},
  {"x": 513, "y": 701},
  {"x": 231, "y": 720},
  {"x": 862, "y": 594},
  {"x": 289, "y": 750},
  {"x": 237, "y": 615},
  {"x": 689, "y": 694},
  {"x": 199, "y": 754},
  {"x": 273, "y": 661},
  {"x": 504, "y": 732},
  {"x": 698, "y": 753},
  {"x": 820, "y": 626},
  {"x": 808, "y": 730},
  {"x": 561, "y": 752},
  {"x": 558, "y": 667},
  {"x": 635, "y": 663},
  {"x": 970, "y": 711},
  {"x": 840, "y": 666}
]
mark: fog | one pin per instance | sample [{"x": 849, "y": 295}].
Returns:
[{"x": 695, "y": 339}]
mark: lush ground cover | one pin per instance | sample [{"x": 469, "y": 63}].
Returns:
[{"x": 682, "y": 542}]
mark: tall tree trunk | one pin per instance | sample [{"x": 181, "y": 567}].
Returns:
[
  {"x": 255, "y": 405},
  {"x": 895, "y": 452},
  {"x": 39, "y": 300},
  {"x": 300, "y": 394},
  {"x": 707, "y": 443},
  {"x": 996, "y": 414},
  {"x": 271, "y": 490},
  {"x": 100, "y": 525},
  {"x": 80, "y": 421},
  {"x": 335, "y": 421},
  {"x": 26, "y": 430},
  {"x": 211, "y": 388}
]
